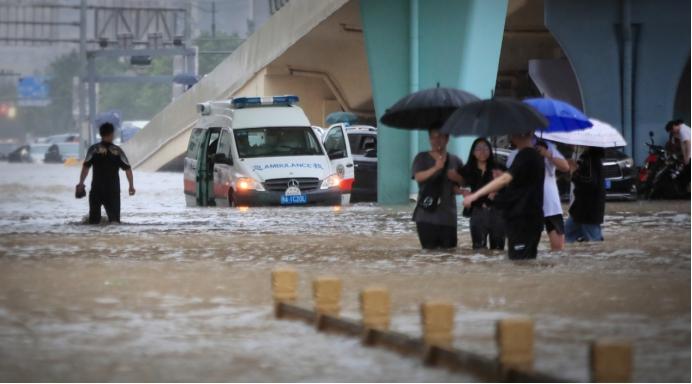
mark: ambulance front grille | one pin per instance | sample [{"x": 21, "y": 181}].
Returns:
[{"x": 280, "y": 185}]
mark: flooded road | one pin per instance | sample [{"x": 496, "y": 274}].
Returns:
[{"x": 182, "y": 294}]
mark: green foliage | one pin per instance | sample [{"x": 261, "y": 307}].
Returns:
[{"x": 134, "y": 101}]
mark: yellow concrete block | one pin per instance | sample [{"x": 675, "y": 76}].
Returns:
[
  {"x": 375, "y": 307},
  {"x": 611, "y": 361},
  {"x": 284, "y": 284},
  {"x": 437, "y": 319},
  {"x": 326, "y": 292},
  {"x": 514, "y": 337}
]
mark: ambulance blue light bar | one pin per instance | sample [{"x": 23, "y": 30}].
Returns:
[{"x": 242, "y": 102}]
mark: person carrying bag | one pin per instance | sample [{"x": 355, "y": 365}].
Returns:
[{"x": 435, "y": 214}]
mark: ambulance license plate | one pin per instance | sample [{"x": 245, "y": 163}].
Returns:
[{"x": 294, "y": 199}]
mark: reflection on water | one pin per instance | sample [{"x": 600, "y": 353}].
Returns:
[{"x": 177, "y": 293}]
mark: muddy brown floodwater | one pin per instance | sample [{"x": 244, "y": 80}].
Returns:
[{"x": 182, "y": 294}]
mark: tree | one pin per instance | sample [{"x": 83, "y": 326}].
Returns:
[{"x": 135, "y": 101}]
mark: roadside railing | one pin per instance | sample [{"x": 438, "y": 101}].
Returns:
[{"x": 610, "y": 360}]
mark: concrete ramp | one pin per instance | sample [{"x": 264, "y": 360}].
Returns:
[{"x": 246, "y": 72}]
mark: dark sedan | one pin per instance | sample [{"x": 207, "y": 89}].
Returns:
[{"x": 618, "y": 169}]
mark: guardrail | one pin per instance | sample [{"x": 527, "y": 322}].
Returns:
[{"x": 610, "y": 360}]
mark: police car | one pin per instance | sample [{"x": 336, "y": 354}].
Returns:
[
  {"x": 363, "y": 145},
  {"x": 250, "y": 151}
]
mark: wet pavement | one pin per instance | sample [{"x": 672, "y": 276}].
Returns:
[{"x": 182, "y": 294}]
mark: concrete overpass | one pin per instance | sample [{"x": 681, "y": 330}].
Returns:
[{"x": 313, "y": 49}]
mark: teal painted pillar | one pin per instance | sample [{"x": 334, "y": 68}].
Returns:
[
  {"x": 459, "y": 46},
  {"x": 386, "y": 30}
]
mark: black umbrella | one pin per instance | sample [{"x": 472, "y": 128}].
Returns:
[
  {"x": 494, "y": 117},
  {"x": 427, "y": 108}
]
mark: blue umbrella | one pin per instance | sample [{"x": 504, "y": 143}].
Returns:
[
  {"x": 562, "y": 116},
  {"x": 341, "y": 117},
  {"x": 188, "y": 79},
  {"x": 112, "y": 116}
]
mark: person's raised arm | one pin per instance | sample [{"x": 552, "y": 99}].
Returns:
[
  {"x": 421, "y": 176},
  {"x": 560, "y": 163},
  {"x": 493, "y": 186}
]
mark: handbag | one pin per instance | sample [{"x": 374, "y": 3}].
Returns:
[{"x": 430, "y": 192}]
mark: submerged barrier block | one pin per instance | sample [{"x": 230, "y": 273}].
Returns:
[
  {"x": 437, "y": 319},
  {"x": 611, "y": 361},
  {"x": 375, "y": 307},
  {"x": 284, "y": 284},
  {"x": 326, "y": 292},
  {"x": 514, "y": 337}
]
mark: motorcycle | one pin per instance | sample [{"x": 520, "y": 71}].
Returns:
[{"x": 659, "y": 177}]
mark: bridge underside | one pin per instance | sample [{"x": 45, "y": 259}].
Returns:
[{"x": 311, "y": 49}]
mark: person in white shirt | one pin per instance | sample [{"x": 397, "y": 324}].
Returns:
[
  {"x": 681, "y": 131},
  {"x": 552, "y": 207}
]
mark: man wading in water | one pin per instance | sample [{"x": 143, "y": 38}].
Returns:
[{"x": 106, "y": 158}]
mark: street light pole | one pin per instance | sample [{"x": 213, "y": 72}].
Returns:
[{"x": 85, "y": 136}]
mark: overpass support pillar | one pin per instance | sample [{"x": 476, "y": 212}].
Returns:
[
  {"x": 643, "y": 52},
  {"x": 458, "y": 45}
]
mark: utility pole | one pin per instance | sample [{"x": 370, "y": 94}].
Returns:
[
  {"x": 84, "y": 129},
  {"x": 213, "y": 19}
]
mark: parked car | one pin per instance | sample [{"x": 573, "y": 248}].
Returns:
[
  {"x": 618, "y": 169},
  {"x": 363, "y": 143},
  {"x": 363, "y": 139}
]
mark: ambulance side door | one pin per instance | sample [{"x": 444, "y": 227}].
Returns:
[
  {"x": 190, "y": 166},
  {"x": 339, "y": 152},
  {"x": 223, "y": 168}
]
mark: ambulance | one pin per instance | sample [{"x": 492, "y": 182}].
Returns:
[{"x": 262, "y": 151}]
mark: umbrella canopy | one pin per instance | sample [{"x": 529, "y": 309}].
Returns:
[
  {"x": 427, "y": 108},
  {"x": 601, "y": 135},
  {"x": 341, "y": 117},
  {"x": 494, "y": 117},
  {"x": 189, "y": 79},
  {"x": 563, "y": 117},
  {"x": 112, "y": 117}
]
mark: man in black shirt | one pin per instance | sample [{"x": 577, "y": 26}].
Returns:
[
  {"x": 522, "y": 199},
  {"x": 106, "y": 158}
]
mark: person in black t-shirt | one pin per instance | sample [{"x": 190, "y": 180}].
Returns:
[
  {"x": 521, "y": 200},
  {"x": 107, "y": 159},
  {"x": 485, "y": 221}
]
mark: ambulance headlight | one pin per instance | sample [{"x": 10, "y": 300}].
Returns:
[
  {"x": 247, "y": 184},
  {"x": 331, "y": 182}
]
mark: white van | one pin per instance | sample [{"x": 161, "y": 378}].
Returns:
[{"x": 251, "y": 151}]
